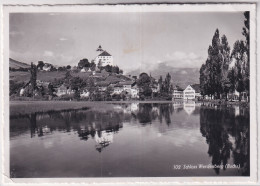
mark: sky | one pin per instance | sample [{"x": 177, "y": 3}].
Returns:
[{"x": 135, "y": 40}]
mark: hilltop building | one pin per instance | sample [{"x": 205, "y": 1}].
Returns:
[{"x": 104, "y": 58}]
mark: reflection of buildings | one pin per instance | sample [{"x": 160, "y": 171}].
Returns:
[
  {"x": 189, "y": 107},
  {"x": 178, "y": 105},
  {"x": 237, "y": 110},
  {"x": 103, "y": 139}
]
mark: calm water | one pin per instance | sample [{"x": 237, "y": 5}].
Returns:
[{"x": 137, "y": 139}]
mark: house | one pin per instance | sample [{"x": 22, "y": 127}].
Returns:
[
  {"x": 177, "y": 93},
  {"x": 46, "y": 67},
  {"x": 84, "y": 94},
  {"x": 118, "y": 89},
  {"x": 104, "y": 59},
  {"x": 192, "y": 92},
  {"x": 134, "y": 91},
  {"x": 84, "y": 69},
  {"x": 189, "y": 93},
  {"x": 102, "y": 85},
  {"x": 126, "y": 85},
  {"x": 63, "y": 90}
]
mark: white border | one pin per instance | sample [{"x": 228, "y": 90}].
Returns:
[{"x": 135, "y": 8}]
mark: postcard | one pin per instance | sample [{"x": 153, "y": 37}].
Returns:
[{"x": 129, "y": 93}]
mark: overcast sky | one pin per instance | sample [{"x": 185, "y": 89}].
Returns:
[{"x": 136, "y": 40}]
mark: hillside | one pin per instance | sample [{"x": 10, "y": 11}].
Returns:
[
  {"x": 17, "y": 64},
  {"x": 180, "y": 76}
]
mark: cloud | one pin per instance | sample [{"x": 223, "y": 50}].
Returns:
[
  {"x": 48, "y": 53},
  {"x": 181, "y": 59},
  {"x": 63, "y": 39}
]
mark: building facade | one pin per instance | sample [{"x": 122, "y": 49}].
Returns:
[
  {"x": 189, "y": 93},
  {"x": 104, "y": 59},
  {"x": 192, "y": 92},
  {"x": 177, "y": 93}
]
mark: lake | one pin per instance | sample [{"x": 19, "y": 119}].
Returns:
[{"x": 132, "y": 140}]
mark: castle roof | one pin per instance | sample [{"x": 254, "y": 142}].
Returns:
[{"x": 105, "y": 53}]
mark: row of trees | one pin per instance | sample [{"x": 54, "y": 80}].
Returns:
[
  {"x": 147, "y": 83},
  {"x": 84, "y": 63},
  {"x": 217, "y": 78}
]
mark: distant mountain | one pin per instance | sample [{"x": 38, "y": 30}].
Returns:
[
  {"x": 180, "y": 76},
  {"x": 17, "y": 64}
]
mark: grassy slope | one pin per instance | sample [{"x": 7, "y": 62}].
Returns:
[
  {"x": 19, "y": 76},
  {"x": 17, "y": 64}
]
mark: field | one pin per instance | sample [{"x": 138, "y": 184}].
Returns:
[{"x": 20, "y": 76}]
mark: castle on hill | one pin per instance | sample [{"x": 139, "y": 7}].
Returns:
[{"x": 104, "y": 58}]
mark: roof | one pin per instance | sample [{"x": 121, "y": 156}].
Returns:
[
  {"x": 178, "y": 88},
  {"x": 62, "y": 87},
  {"x": 196, "y": 87},
  {"x": 102, "y": 83},
  {"x": 125, "y": 82},
  {"x": 105, "y": 53}
]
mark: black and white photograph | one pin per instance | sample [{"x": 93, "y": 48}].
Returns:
[{"x": 130, "y": 91}]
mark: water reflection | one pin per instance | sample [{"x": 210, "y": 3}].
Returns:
[
  {"x": 225, "y": 130},
  {"x": 226, "y": 133}
]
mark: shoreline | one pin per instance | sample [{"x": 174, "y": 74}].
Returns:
[{"x": 28, "y": 107}]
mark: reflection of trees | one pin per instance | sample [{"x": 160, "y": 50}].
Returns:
[
  {"x": 218, "y": 126},
  {"x": 148, "y": 112}
]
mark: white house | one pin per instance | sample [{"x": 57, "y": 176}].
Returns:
[
  {"x": 104, "y": 59},
  {"x": 177, "y": 93},
  {"x": 192, "y": 92},
  {"x": 189, "y": 93},
  {"x": 134, "y": 92},
  {"x": 118, "y": 89},
  {"x": 46, "y": 67},
  {"x": 63, "y": 90}
]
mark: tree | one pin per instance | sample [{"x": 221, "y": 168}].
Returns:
[
  {"x": 203, "y": 80},
  {"x": 50, "y": 89},
  {"x": 108, "y": 68},
  {"x": 167, "y": 84},
  {"x": 68, "y": 67},
  {"x": 246, "y": 33},
  {"x": 83, "y": 63},
  {"x": 238, "y": 54},
  {"x": 144, "y": 83},
  {"x": 76, "y": 83},
  {"x": 225, "y": 62},
  {"x": 40, "y": 65},
  {"x": 232, "y": 80},
  {"x": 33, "y": 77},
  {"x": 213, "y": 74},
  {"x": 160, "y": 81},
  {"x": 115, "y": 69}
]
